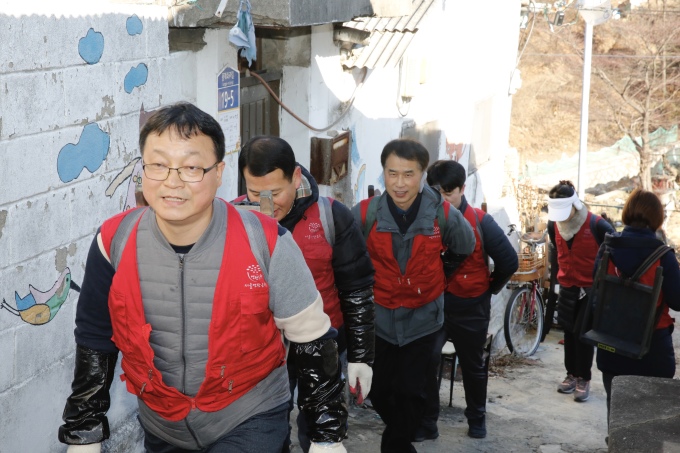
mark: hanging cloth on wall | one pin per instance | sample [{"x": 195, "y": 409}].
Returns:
[{"x": 242, "y": 35}]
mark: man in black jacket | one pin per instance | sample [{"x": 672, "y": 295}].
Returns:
[
  {"x": 467, "y": 300},
  {"x": 333, "y": 247}
]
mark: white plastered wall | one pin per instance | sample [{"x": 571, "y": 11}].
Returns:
[
  {"x": 470, "y": 48},
  {"x": 52, "y": 202}
]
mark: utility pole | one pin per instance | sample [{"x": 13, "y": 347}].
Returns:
[{"x": 594, "y": 12}]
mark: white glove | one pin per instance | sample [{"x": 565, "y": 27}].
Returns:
[
  {"x": 89, "y": 448},
  {"x": 360, "y": 376},
  {"x": 327, "y": 447}
]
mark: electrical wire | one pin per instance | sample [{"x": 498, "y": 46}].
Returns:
[
  {"x": 640, "y": 57},
  {"x": 533, "y": 21},
  {"x": 557, "y": 28},
  {"x": 519, "y": 57},
  {"x": 306, "y": 124},
  {"x": 652, "y": 13},
  {"x": 408, "y": 103}
]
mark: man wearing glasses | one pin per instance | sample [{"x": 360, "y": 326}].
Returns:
[{"x": 194, "y": 293}]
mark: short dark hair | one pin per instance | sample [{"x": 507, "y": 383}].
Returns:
[
  {"x": 408, "y": 149},
  {"x": 643, "y": 209},
  {"x": 448, "y": 174},
  {"x": 187, "y": 120},
  {"x": 264, "y": 154},
  {"x": 564, "y": 189}
]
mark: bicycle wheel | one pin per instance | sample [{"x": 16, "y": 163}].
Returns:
[{"x": 523, "y": 322}]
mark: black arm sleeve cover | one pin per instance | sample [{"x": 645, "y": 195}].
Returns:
[
  {"x": 451, "y": 262},
  {"x": 320, "y": 390},
  {"x": 84, "y": 416},
  {"x": 359, "y": 314}
]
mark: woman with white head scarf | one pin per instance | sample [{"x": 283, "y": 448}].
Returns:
[{"x": 575, "y": 234}]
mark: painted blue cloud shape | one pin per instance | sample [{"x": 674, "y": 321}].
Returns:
[
  {"x": 89, "y": 152},
  {"x": 136, "y": 77},
  {"x": 134, "y": 25},
  {"x": 24, "y": 303},
  {"x": 91, "y": 46}
]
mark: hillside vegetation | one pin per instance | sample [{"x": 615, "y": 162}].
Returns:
[{"x": 546, "y": 110}]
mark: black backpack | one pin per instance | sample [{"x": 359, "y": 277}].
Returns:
[{"x": 622, "y": 314}]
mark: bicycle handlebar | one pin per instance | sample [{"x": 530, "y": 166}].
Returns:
[{"x": 534, "y": 237}]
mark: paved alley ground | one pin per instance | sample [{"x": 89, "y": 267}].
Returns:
[{"x": 525, "y": 413}]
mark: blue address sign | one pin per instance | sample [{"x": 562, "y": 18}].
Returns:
[{"x": 227, "y": 89}]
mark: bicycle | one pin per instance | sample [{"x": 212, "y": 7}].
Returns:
[{"x": 525, "y": 312}]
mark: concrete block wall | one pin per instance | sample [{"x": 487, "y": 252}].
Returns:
[{"x": 67, "y": 68}]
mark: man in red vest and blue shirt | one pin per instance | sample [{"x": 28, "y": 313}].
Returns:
[
  {"x": 467, "y": 300},
  {"x": 333, "y": 247},
  {"x": 195, "y": 294},
  {"x": 409, "y": 227}
]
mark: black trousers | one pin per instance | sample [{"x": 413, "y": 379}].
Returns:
[
  {"x": 397, "y": 391},
  {"x": 578, "y": 356},
  {"x": 467, "y": 329}
]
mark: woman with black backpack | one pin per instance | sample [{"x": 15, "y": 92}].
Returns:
[{"x": 642, "y": 217}]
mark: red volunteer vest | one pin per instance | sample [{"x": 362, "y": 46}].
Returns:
[
  {"x": 471, "y": 279},
  {"x": 310, "y": 237},
  {"x": 244, "y": 343},
  {"x": 424, "y": 279},
  {"x": 577, "y": 264},
  {"x": 647, "y": 278}
]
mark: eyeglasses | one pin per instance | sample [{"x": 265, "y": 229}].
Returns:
[{"x": 160, "y": 172}]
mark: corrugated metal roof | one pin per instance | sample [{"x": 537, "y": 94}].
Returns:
[
  {"x": 392, "y": 24},
  {"x": 389, "y": 39}
]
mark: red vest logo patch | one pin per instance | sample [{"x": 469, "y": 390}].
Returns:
[{"x": 254, "y": 273}]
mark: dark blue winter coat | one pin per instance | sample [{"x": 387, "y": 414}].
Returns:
[{"x": 628, "y": 250}]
